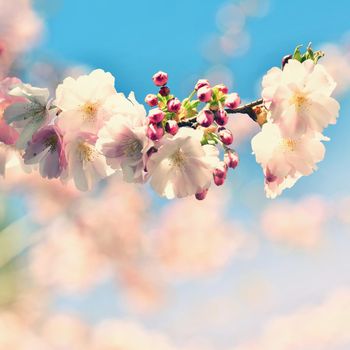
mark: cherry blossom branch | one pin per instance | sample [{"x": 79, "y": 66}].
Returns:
[
  {"x": 247, "y": 109},
  {"x": 177, "y": 144},
  {"x": 244, "y": 109}
]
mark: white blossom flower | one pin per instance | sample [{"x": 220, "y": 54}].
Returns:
[
  {"x": 86, "y": 166},
  {"x": 182, "y": 166},
  {"x": 285, "y": 160},
  {"x": 29, "y": 114},
  {"x": 124, "y": 143},
  {"x": 299, "y": 97},
  {"x": 87, "y": 102}
]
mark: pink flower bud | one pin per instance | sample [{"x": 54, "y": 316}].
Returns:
[
  {"x": 222, "y": 88},
  {"x": 160, "y": 78},
  {"x": 219, "y": 174},
  {"x": 164, "y": 91},
  {"x": 225, "y": 136},
  {"x": 232, "y": 101},
  {"x": 218, "y": 180},
  {"x": 156, "y": 115},
  {"x": 174, "y": 105},
  {"x": 231, "y": 159},
  {"x": 155, "y": 132},
  {"x": 204, "y": 94},
  {"x": 201, "y": 195},
  {"x": 205, "y": 118},
  {"x": 171, "y": 127},
  {"x": 151, "y": 100},
  {"x": 269, "y": 177},
  {"x": 220, "y": 170},
  {"x": 201, "y": 83},
  {"x": 221, "y": 117}
]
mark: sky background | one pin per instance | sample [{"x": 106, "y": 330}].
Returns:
[{"x": 133, "y": 40}]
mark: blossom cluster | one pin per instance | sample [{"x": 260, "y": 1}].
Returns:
[
  {"x": 298, "y": 106},
  {"x": 89, "y": 131}
]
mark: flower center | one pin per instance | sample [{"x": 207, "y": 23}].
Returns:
[
  {"x": 132, "y": 147},
  {"x": 90, "y": 110},
  {"x": 300, "y": 101},
  {"x": 177, "y": 159},
  {"x": 86, "y": 152},
  {"x": 289, "y": 144},
  {"x": 51, "y": 142}
]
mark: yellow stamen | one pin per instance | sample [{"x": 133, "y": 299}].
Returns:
[
  {"x": 177, "y": 159},
  {"x": 90, "y": 110},
  {"x": 86, "y": 152},
  {"x": 289, "y": 144},
  {"x": 132, "y": 147},
  {"x": 299, "y": 100}
]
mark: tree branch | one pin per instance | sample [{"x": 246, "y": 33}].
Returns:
[{"x": 247, "y": 109}]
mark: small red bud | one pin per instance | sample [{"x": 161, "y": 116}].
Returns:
[
  {"x": 222, "y": 88},
  {"x": 160, "y": 78},
  {"x": 225, "y": 136},
  {"x": 221, "y": 117},
  {"x": 204, "y": 94},
  {"x": 164, "y": 91},
  {"x": 171, "y": 127},
  {"x": 201, "y": 83},
  {"x": 205, "y": 118},
  {"x": 231, "y": 159},
  {"x": 155, "y": 132},
  {"x": 174, "y": 105},
  {"x": 156, "y": 115},
  {"x": 232, "y": 101},
  {"x": 201, "y": 195},
  {"x": 151, "y": 100}
]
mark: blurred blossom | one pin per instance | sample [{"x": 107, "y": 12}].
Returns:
[
  {"x": 116, "y": 335},
  {"x": 46, "y": 199},
  {"x": 86, "y": 244},
  {"x": 342, "y": 209},
  {"x": 322, "y": 327},
  {"x": 65, "y": 332},
  {"x": 199, "y": 243},
  {"x": 230, "y": 18},
  {"x": 15, "y": 333},
  {"x": 337, "y": 63},
  {"x": 220, "y": 74},
  {"x": 142, "y": 287},
  {"x": 256, "y": 8},
  {"x": 233, "y": 40},
  {"x": 298, "y": 224},
  {"x": 49, "y": 73},
  {"x": 232, "y": 46},
  {"x": 119, "y": 236},
  {"x": 66, "y": 259},
  {"x": 211, "y": 49},
  {"x": 19, "y": 30},
  {"x": 242, "y": 127}
]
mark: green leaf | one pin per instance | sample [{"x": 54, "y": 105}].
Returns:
[
  {"x": 297, "y": 54},
  {"x": 195, "y": 103}
]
